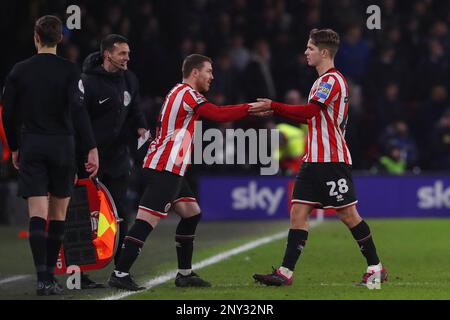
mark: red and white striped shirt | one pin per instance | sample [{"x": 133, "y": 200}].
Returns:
[
  {"x": 171, "y": 149},
  {"x": 326, "y": 131}
]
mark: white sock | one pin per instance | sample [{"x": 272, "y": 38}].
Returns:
[
  {"x": 120, "y": 274},
  {"x": 185, "y": 272},
  {"x": 286, "y": 272},
  {"x": 374, "y": 268}
]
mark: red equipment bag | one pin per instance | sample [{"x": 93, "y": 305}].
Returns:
[{"x": 92, "y": 228}]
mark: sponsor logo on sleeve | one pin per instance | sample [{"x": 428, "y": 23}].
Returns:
[{"x": 323, "y": 91}]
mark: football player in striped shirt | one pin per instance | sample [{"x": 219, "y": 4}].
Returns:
[
  {"x": 165, "y": 164},
  {"x": 325, "y": 179}
]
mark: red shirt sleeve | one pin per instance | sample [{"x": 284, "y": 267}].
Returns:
[
  {"x": 210, "y": 111},
  {"x": 300, "y": 113}
]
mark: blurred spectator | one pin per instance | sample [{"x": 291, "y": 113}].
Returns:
[
  {"x": 386, "y": 66},
  {"x": 224, "y": 27},
  {"x": 297, "y": 74},
  {"x": 292, "y": 144},
  {"x": 429, "y": 114},
  {"x": 226, "y": 80},
  {"x": 282, "y": 16},
  {"x": 439, "y": 30},
  {"x": 259, "y": 81},
  {"x": 294, "y": 96},
  {"x": 392, "y": 163},
  {"x": 200, "y": 47},
  {"x": 240, "y": 12},
  {"x": 397, "y": 134},
  {"x": 434, "y": 68},
  {"x": 239, "y": 54},
  {"x": 389, "y": 9},
  {"x": 313, "y": 18},
  {"x": 273, "y": 20},
  {"x": 291, "y": 147},
  {"x": 389, "y": 107},
  {"x": 353, "y": 55},
  {"x": 440, "y": 144},
  {"x": 150, "y": 59},
  {"x": 114, "y": 16},
  {"x": 357, "y": 134},
  {"x": 125, "y": 28},
  {"x": 186, "y": 48}
]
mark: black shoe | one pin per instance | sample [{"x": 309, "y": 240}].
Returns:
[
  {"x": 87, "y": 283},
  {"x": 58, "y": 289},
  {"x": 273, "y": 279},
  {"x": 44, "y": 288},
  {"x": 192, "y": 280},
  {"x": 125, "y": 283}
]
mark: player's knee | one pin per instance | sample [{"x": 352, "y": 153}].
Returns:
[
  {"x": 349, "y": 216},
  {"x": 38, "y": 207},
  {"x": 187, "y": 209},
  {"x": 298, "y": 216},
  {"x": 188, "y": 226},
  {"x": 299, "y": 211},
  {"x": 38, "y": 211},
  {"x": 57, "y": 215},
  {"x": 149, "y": 218}
]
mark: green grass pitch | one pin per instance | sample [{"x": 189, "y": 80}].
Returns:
[{"x": 416, "y": 253}]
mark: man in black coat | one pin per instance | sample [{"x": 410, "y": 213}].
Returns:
[{"x": 112, "y": 100}]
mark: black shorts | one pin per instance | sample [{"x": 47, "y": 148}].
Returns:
[
  {"x": 46, "y": 165},
  {"x": 164, "y": 189},
  {"x": 324, "y": 185}
]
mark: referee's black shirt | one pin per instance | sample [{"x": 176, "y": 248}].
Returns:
[{"x": 41, "y": 96}]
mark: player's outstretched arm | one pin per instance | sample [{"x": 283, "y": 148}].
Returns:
[
  {"x": 300, "y": 113},
  {"x": 210, "y": 111}
]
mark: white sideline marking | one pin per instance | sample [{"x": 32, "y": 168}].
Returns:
[
  {"x": 207, "y": 262},
  {"x": 14, "y": 278}
]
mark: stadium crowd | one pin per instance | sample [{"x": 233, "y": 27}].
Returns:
[{"x": 399, "y": 76}]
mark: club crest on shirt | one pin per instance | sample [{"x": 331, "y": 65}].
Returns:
[
  {"x": 323, "y": 91},
  {"x": 126, "y": 98}
]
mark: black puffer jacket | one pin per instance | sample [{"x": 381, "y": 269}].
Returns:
[{"x": 112, "y": 100}]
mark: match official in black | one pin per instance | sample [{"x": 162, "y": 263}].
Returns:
[
  {"x": 112, "y": 100},
  {"x": 40, "y": 97}
]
